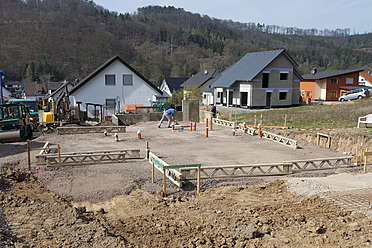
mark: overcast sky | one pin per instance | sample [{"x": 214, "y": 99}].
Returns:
[{"x": 320, "y": 14}]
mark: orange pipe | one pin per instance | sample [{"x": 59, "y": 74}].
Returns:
[
  {"x": 233, "y": 132},
  {"x": 206, "y": 132},
  {"x": 245, "y": 128},
  {"x": 190, "y": 126},
  {"x": 211, "y": 123},
  {"x": 194, "y": 125},
  {"x": 206, "y": 122}
]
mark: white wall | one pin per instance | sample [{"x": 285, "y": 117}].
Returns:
[
  {"x": 6, "y": 93},
  {"x": 164, "y": 87},
  {"x": 95, "y": 91}
]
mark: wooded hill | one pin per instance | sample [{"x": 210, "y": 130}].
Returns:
[{"x": 56, "y": 40}]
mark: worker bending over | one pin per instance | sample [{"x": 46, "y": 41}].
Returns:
[{"x": 169, "y": 114}]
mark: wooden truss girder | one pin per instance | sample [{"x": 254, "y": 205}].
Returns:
[
  {"x": 279, "y": 139},
  {"x": 237, "y": 171},
  {"x": 322, "y": 163},
  {"x": 93, "y": 157}
]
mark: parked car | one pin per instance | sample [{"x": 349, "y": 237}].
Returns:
[{"x": 355, "y": 94}]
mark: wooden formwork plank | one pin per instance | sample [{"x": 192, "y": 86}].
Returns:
[{"x": 94, "y": 129}]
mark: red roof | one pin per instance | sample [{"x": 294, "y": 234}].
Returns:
[{"x": 366, "y": 76}]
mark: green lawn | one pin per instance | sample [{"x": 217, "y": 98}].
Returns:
[{"x": 338, "y": 115}]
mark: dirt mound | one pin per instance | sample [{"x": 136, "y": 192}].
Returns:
[
  {"x": 265, "y": 215},
  {"x": 43, "y": 219}
]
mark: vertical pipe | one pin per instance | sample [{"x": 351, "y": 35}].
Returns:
[
  {"x": 28, "y": 156},
  {"x": 206, "y": 122},
  {"x": 206, "y": 132},
  {"x": 233, "y": 132},
  {"x": 245, "y": 127},
  {"x": 190, "y": 126},
  {"x": 194, "y": 125},
  {"x": 173, "y": 127},
  {"x": 211, "y": 122}
]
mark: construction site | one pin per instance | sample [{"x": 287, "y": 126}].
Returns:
[{"x": 205, "y": 183}]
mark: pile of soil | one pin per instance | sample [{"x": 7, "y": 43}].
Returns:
[{"x": 264, "y": 215}]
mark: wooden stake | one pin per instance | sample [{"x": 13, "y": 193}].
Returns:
[
  {"x": 285, "y": 120},
  {"x": 198, "y": 186},
  {"x": 29, "y": 155},
  {"x": 59, "y": 156},
  {"x": 261, "y": 120},
  {"x": 153, "y": 172},
  {"x": 356, "y": 155},
  {"x": 365, "y": 160},
  {"x": 147, "y": 150},
  {"x": 164, "y": 184}
]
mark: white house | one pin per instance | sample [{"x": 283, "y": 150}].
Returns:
[
  {"x": 115, "y": 84},
  {"x": 365, "y": 78},
  {"x": 171, "y": 84}
]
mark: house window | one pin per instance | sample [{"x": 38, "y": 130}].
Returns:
[
  {"x": 110, "y": 102},
  {"x": 333, "y": 94},
  {"x": 282, "y": 95},
  {"x": 333, "y": 80},
  {"x": 127, "y": 79},
  {"x": 349, "y": 80},
  {"x": 110, "y": 79},
  {"x": 283, "y": 75},
  {"x": 265, "y": 80}
]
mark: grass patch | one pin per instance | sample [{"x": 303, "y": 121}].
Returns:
[{"x": 334, "y": 116}]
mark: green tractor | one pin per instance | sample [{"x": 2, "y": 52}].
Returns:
[{"x": 15, "y": 123}]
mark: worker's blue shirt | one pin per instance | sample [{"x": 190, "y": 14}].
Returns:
[{"x": 170, "y": 111}]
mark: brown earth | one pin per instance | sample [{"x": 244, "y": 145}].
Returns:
[{"x": 116, "y": 205}]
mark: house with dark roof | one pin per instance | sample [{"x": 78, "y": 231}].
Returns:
[
  {"x": 203, "y": 80},
  {"x": 115, "y": 84},
  {"x": 171, "y": 84},
  {"x": 34, "y": 90},
  {"x": 365, "y": 79},
  {"x": 259, "y": 80},
  {"x": 328, "y": 85}
]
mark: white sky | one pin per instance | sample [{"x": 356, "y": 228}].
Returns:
[{"x": 320, "y": 14}]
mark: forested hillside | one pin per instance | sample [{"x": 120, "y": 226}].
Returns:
[{"x": 56, "y": 40}]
